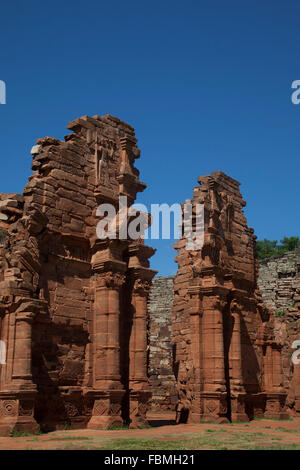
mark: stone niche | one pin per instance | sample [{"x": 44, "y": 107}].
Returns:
[
  {"x": 227, "y": 358},
  {"x": 73, "y": 308}
]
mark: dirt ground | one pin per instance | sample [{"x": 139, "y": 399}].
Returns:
[{"x": 257, "y": 434}]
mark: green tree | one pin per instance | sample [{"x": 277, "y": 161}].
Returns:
[
  {"x": 266, "y": 248},
  {"x": 289, "y": 244}
]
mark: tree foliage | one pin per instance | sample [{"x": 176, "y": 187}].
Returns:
[{"x": 268, "y": 248}]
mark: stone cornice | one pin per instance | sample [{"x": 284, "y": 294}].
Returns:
[
  {"x": 209, "y": 290},
  {"x": 114, "y": 266}
]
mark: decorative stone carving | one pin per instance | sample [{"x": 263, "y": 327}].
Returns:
[
  {"x": 111, "y": 280},
  {"x": 142, "y": 287},
  {"x": 100, "y": 408},
  {"x": 71, "y": 409},
  {"x": 8, "y": 407}
]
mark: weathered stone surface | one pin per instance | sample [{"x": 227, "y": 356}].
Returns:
[
  {"x": 227, "y": 360},
  {"x": 73, "y": 309},
  {"x": 279, "y": 281},
  {"x": 164, "y": 394}
]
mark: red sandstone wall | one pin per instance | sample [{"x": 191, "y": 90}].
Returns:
[
  {"x": 65, "y": 296},
  {"x": 227, "y": 360}
]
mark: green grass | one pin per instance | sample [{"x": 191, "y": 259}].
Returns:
[
  {"x": 212, "y": 438},
  {"x": 248, "y": 441},
  {"x": 209, "y": 439},
  {"x": 215, "y": 442},
  {"x": 273, "y": 419},
  {"x": 26, "y": 433},
  {"x": 287, "y": 430},
  {"x": 71, "y": 446},
  {"x": 117, "y": 428},
  {"x": 70, "y": 438},
  {"x": 284, "y": 447}
]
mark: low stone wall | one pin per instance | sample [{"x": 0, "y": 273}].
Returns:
[
  {"x": 160, "y": 350},
  {"x": 279, "y": 281}
]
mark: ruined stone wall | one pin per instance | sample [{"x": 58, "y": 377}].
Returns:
[
  {"x": 65, "y": 295},
  {"x": 227, "y": 360},
  {"x": 279, "y": 281},
  {"x": 164, "y": 394}
]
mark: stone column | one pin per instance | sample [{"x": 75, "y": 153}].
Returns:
[
  {"x": 18, "y": 391},
  {"x": 22, "y": 354},
  {"x": 140, "y": 277},
  {"x": 237, "y": 391},
  {"x": 106, "y": 329},
  {"x": 235, "y": 349},
  {"x": 107, "y": 392},
  {"x": 268, "y": 369},
  {"x": 296, "y": 381},
  {"x": 212, "y": 337},
  {"x": 139, "y": 386},
  {"x": 3, "y": 338},
  {"x": 275, "y": 394},
  {"x": 195, "y": 311},
  {"x": 214, "y": 388}
]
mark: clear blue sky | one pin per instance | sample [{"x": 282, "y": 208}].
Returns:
[{"x": 206, "y": 84}]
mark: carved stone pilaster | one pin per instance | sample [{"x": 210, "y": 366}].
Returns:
[
  {"x": 141, "y": 287},
  {"x": 139, "y": 386},
  {"x": 110, "y": 280},
  {"x": 18, "y": 392},
  {"x": 275, "y": 406},
  {"x": 107, "y": 409},
  {"x": 107, "y": 391},
  {"x": 17, "y": 413},
  {"x": 139, "y": 406},
  {"x": 22, "y": 374}
]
